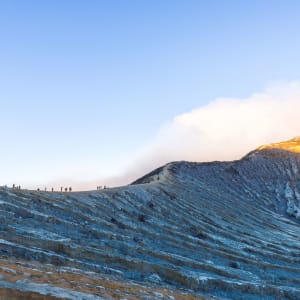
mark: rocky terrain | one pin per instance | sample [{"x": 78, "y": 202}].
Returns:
[{"x": 218, "y": 230}]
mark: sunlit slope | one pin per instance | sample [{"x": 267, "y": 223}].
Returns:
[
  {"x": 228, "y": 229},
  {"x": 292, "y": 145}
]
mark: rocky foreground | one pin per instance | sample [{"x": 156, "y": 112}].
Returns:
[{"x": 219, "y": 230}]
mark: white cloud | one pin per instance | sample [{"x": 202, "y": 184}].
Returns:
[{"x": 225, "y": 129}]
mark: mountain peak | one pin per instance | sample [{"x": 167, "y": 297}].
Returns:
[
  {"x": 278, "y": 149},
  {"x": 292, "y": 145}
]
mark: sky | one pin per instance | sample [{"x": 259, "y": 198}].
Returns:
[{"x": 99, "y": 92}]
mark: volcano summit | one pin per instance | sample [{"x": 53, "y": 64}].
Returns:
[{"x": 184, "y": 231}]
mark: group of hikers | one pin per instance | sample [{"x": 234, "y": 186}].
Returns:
[
  {"x": 100, "y": 187},
  {"x": 66, "y": 189},
  {"x": 16, "y": 187},
  {"x": 62, "y": 189}
]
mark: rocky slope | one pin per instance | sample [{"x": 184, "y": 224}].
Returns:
[{"x": 223, "y": 229}]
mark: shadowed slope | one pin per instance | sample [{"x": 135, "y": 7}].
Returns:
[{"x": 228, "y": 229}]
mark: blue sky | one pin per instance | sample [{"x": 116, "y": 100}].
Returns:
[{"x": 85, "y": 84}]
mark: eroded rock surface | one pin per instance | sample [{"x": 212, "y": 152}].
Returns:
[{"x": 226, "y": 229}]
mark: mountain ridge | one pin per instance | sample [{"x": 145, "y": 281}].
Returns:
[
  {"x": 218, "y": 229},
  {"x": 284, "y": 148}
]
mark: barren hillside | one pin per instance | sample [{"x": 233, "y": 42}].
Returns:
[{"x": 186, "y": 230}]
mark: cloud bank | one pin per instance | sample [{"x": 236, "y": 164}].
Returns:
[{"x": 224, "y": 129}]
